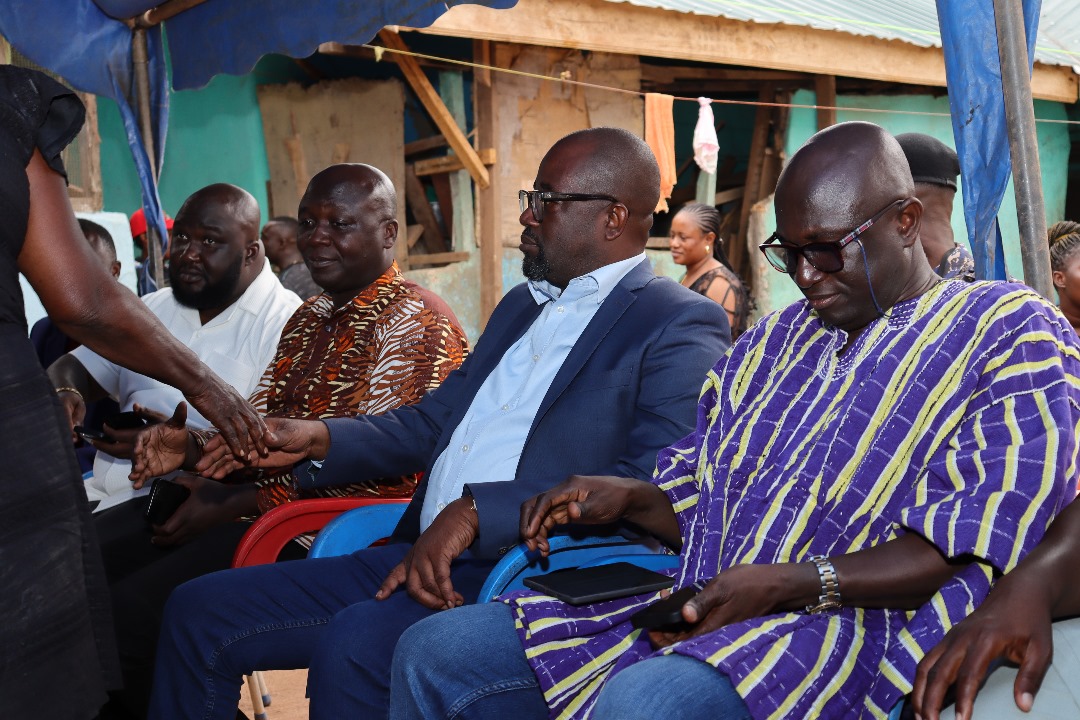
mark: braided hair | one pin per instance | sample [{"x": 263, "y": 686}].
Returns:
[
  {"x": 1064, "y": 240},
  {"x": 708, "y": 219}
]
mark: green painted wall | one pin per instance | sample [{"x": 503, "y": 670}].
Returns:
[
  {"x": 215, "y": 135},
  {"x": 1053, "y": 154}
]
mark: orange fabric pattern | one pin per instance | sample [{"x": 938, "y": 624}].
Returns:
[{"x": 383, "y": 350}]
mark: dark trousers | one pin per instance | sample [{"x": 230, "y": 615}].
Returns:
[
  {"x": 141, "y": 576},
  {"x": 315, "y": 613}
]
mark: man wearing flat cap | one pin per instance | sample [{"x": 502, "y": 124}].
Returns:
[{"x": 934, "y": 168}]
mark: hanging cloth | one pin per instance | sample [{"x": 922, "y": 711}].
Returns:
[
  {"x": 660, "y": 135},
  {"x": 706, "y": 144}
]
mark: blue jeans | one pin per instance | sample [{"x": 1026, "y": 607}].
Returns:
[
  {"x": 307, "y": 613},
  {"x": 468, "y": 664}
]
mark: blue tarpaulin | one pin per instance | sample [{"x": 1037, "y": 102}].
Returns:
[
  {"x": 973, "y": 71},
  {"x": 86, "y": 43}
]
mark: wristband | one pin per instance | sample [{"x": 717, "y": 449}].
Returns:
[
  {"x": 69, "y": 389},
  {"x": 829, "y": 599}
]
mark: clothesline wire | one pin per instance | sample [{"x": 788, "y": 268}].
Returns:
[{"x": 379, "y": 50}]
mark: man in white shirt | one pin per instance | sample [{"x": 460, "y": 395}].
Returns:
[{"x": 224, "y": 303}]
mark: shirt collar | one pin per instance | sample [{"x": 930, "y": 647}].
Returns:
[{"x": 600, "y": 282}]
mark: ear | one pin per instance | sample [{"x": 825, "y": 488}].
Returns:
[
  {"x": 390, "y": 234},
  {"x": 114, "y": 268},
  {"x": 909, "y": 220},
  {"x": 710, "y": 238},
  {"x": 253, "y": 251},
  {"x": 615, "y": 222},
  {"x": 1058, "y": 277}
]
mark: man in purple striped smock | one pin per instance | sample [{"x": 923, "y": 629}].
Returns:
[{"x": 865, "y": 462}]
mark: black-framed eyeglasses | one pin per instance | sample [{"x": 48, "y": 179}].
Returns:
[
  {"x": 535, "y": 199},
  {"x": 825, "y": 256}
]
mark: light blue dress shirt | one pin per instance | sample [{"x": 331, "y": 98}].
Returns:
[{"x": 487, "y": 443}]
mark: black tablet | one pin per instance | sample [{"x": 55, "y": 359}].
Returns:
[{"x": 581, "y": 586}]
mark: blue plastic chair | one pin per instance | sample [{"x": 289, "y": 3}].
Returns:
[
  {"x": 356, "y": 529},
  {"x": 568, "y": 552}
]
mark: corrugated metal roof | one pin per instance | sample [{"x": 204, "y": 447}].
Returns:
[{"x": 912, "y": 21}]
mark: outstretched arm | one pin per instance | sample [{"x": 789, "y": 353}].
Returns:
[
  {"x": 92, "y": 308},
  {"x": 1013, "y": 623}
]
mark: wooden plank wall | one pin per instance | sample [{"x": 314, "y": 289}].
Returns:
[{"x": 308, "y": 129}]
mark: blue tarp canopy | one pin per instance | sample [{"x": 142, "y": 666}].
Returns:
[{"x": 87, "y": 43}]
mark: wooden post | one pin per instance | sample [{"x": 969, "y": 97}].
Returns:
[
  {"x": 825, "y": 90},
  {"x": 487, "y": 132},
  {"x": 463, "y": 230},
  {"x": 759, "y": 140}
]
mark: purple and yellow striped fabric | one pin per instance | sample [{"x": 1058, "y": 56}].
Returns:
[{"x": 955, "y": 417}]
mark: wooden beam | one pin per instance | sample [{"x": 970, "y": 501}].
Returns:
[
  {"x": 441, "y": 258},
  {"x": 626, "y": 29},
  {"x": 450, "y": 163},
  {"x": 671, "y": 73},
  {"x": 417, "y": 201},
  {"x": 413, "y": 233},
  {"x": 444, "y": 120},
  {"x": 487, "y": 199},
  {"x": 424, "y": 145},
  {"x": 825, "y": 94},
  {"x": 726, "y": 196}
]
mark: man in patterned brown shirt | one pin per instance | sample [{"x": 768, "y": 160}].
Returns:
[{"x": 368, "y": 344}]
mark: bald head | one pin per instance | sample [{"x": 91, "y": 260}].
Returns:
[
  {"x": 237, "y": 201},
  {"x": 613, "y": 161},
  {"x": 215, "y": 253},
  {"x": 355, "y": 184},
  {"x": 348, "y": 228},
  {"x": 853, "y": 169}
]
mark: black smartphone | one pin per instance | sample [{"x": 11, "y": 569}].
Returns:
[
  {"x": 665, "y": 614},
  {"x": 581, "y": 586},
  {"x": 90, "y": 434},
  {"x": 125, "y": 421},
  {"x": 165, "y": 497}
]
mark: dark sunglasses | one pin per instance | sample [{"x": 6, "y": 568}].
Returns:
[
  {"x": 825, "y": 256},
  {"x": 535, "y": 199}
]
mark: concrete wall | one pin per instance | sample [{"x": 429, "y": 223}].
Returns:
[
  {"x": 534, "y": 114},
  {"x": 777, "y": 290},
  {"x": 215, "y": 135}
]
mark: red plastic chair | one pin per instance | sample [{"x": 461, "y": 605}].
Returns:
[{"x": 264, "y": 540}]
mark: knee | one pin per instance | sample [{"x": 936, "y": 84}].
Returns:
[{"x": 430, "y": 647}]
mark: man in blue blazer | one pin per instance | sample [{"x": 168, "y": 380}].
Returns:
[{"x": 590, "y": 368}]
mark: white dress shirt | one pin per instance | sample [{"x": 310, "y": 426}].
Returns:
[
  {"x": 487, "y": 443},
  {"x": 238, "y": 344}
]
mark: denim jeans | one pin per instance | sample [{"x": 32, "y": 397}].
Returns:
[
  {"x": 468, "y": 664},
  {"x": 306, "y": 613}
]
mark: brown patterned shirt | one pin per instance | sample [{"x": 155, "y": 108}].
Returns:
[{"x": 383, "y": 350}]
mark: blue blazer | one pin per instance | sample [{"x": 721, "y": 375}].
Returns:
[{"x": 627, "y": 390}]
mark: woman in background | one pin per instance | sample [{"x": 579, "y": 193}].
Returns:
[
  {"x": 1065, "y": 268},
  {"x": 56, "y": 641},
  {"x": 695, "y": 243}
]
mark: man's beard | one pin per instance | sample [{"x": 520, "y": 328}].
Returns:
[
  {"x": 536, "y": 268},
  {"x": 214, "y": 295}
]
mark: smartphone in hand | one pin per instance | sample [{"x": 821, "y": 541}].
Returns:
[
  {"x": 665, "y": 614},
  {"x": 90, "y": 434},
  {"x": 166, "y": 497}
]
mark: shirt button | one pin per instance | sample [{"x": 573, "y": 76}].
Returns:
[
  {"x": 562, "y": 309},
  {"x": 442, "y": 505},
  {"x": 328, "y": 328},
  {"x": 536, "y": 358},
  {"x": 464, "y": 448},
  {"x": 505, "y": 408}
]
